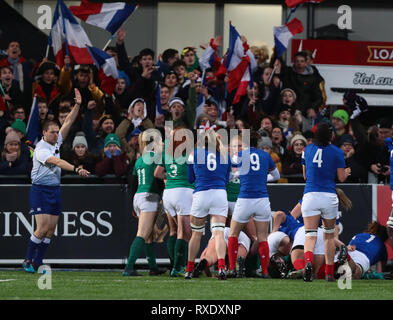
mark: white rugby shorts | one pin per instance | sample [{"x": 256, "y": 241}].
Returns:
[
  {"x": 231, "y": 207},
  {"x": 360, "y": 259},
  {"x": 320, "y": 203},
  {"x": 245, "y": 208},
  {"x": 212, "y": 201},
  {"x": 177, "y": 201},
  {"x": 242, "y": 239},
  {"x": 300, "y": 239},
  {"x": 145, "y": 202},
  {"x": 274, "y": 240}
]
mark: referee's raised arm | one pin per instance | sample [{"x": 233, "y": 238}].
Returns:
[{"x": 65, "y": 128}]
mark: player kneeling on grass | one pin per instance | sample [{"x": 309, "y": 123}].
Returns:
[
  {"x": 45, "y": 196},
  {"x": 209, "y": 167},
  {"x": 254, "y": 166},
  {"x": 145, "y": 202}
]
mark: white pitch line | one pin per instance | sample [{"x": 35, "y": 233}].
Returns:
[{"x": 5, "y": 280}]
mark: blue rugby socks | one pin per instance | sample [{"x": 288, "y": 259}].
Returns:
[
  {"x": 32, "y": 245},
  {"x": 41, "y": 250}
]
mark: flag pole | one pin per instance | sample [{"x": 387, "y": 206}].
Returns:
[
  {"x": 109, "y": 41},
  {"x": 114, "y": 34}
]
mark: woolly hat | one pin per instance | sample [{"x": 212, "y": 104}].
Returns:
[
  {"x": 132, "y": 104},
  {"x": 135, "y": 132},
  {"x": 19, "y": 125},
  {"x": 284, "y": 107},
  {"x": 79, "y": 139},
  {"x": 112, "y": 138},
  {"x": 12, "y": 136},
  {"x": 290, "y": 90},
  {"x": 342, "y": 115},
  {"x": 123, "y": 75},
  {"x": 346, "y": 138},
  {"x": 174, "y": 100},
  {"x": 47, "y": 65},
  {"x": 103, "y": 118},
  {"x": 296, "y": 137},
  {"x": 265, "y": 141}
]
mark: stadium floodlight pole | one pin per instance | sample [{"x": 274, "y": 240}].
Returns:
[{"x": 114, "y": 34}]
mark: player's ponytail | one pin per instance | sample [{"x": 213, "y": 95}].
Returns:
[{"x": 344, "y": 201}]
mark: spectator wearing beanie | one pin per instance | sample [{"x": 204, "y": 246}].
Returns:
[
  {"x": 358, "y": 171},
  {"x": 265, "y": 144},
  {"x": 95, "y": 139},
  {"x": 292, "y": 160},
  {"x": 286, "y": 121},
  {"x": 20, "y": 128},
  {"x": 15, "y": 157},
  {"x": 340, "y": 119},
  {"x": 80, "y": 156},
  {"x": 114, "y": 161}
]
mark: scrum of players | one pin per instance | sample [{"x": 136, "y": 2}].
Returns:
[{"x": 230, "y": 185}]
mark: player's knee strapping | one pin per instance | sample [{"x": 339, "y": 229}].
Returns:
[
  {"x": 218, "y": 226},
  {"x": 196, "y": 228},
  {"x": 328, "y": 230},
  {"x": 311, "y": 232}
]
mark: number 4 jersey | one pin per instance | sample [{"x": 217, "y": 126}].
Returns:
[{"x": 321, "y": 164}]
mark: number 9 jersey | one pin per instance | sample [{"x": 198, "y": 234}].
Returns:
[{"x": 321, "y": 164}]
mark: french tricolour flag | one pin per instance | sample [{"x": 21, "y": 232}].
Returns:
[
  {"x": 67, "y": 37},
  {"x": 108, "y": 73},
  {"x": 240, "y": 64},
  {"x": 294, "y": 3},
  {"x": 284, "y": 33},
  {"x": 109, "y": 16}
]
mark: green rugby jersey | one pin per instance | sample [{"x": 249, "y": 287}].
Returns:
[
  {"x": 144, "y": 169},
  {"x": 233, "y": 189},
  {"x": 176, "y": 172}
]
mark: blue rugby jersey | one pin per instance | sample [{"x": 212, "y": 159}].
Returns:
[
  {"x": 208, "y": 170},
  {"x": 253, "y": 166},
  {"x": 321, "y": 164},
  {"x": 371, "y": 245}
]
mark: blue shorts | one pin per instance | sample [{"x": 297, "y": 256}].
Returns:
[{"x": 45, "y": 199}]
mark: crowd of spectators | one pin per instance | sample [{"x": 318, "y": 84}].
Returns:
[{"x": 284, "y": 105}]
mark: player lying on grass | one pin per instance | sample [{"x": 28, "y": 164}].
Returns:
[{"x": 209, "y": 256}]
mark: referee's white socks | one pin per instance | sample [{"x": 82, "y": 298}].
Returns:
[{"x": 35, "y": 239}]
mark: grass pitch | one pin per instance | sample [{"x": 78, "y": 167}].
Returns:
[{"x": 110, "y": 285}]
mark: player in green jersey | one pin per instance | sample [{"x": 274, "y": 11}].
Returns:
[
  {"x": 145, "y": 201},
  {"x": 177, "y": 197}
]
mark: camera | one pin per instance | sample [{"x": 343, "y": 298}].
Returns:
[{"x": 382, "y": 168}]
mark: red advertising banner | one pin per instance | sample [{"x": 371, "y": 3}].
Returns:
[
  {"x": 344, "y": 52},
  {"x": 384, "y": 205}
]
